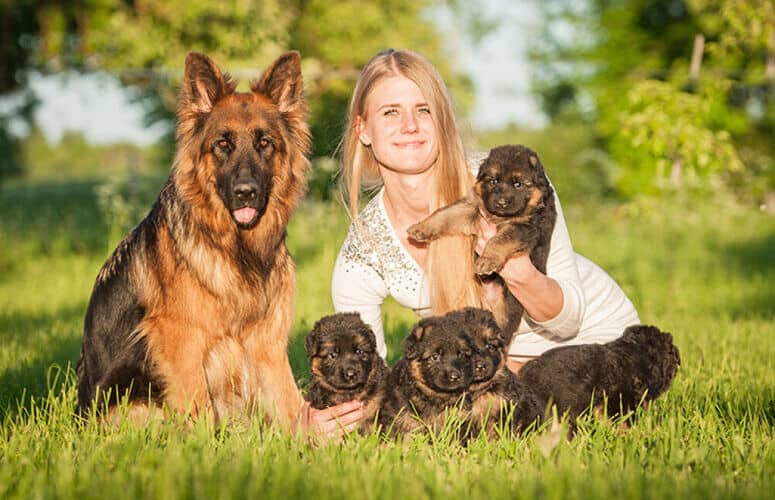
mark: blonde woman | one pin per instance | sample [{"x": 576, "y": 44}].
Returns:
[{"x": 402, "y": 138}]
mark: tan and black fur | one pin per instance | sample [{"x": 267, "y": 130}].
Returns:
[
  {"x": 432, "y": 377},
  {"x": 193, "y": 309},
  {"x": 345, "y": 365},
  {"x": 513, "y": 192},
  {"x": 496, "y": 393}
]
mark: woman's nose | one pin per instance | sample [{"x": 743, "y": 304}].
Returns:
[{"x": 409, "y": 124}]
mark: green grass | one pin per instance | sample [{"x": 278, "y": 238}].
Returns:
[{"x": 703, "y": 272}]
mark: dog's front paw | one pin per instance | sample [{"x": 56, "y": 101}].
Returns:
[
  {"x": 486, "y": 265},
  {"x": 420, "y": 233}
]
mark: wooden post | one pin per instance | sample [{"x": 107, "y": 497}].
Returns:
[{"x": 699, "y": 48}]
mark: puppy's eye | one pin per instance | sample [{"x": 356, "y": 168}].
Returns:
[
  {"x": 517, "y": 183},
  {"x": 435, "y": 356},
  {"x": 264, "y": 142},
  {"x": 491, "y": 347},
  {"x": 493, "y": 181},
  {"x": 223, "y": 145},
  {"x": 465, "y": 354},
  {"x": 358, "y": 351},
  {"x": 332, "y": 355}
]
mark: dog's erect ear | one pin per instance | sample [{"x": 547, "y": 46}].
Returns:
[
  {"x": 282, "y": 83},
  {"x": 203, "y": 84},
  {"x": 411, "y": 342},
  {"x": 311, "y": 343}
]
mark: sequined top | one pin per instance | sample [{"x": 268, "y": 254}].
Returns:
[{"x": 373, "y": 264}]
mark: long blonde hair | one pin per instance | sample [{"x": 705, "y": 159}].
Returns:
[{"x": 448, "y": 290}]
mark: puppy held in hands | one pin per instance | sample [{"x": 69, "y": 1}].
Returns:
[
  {"x": 432, "y": 377},
  {"x": 625, "y": 373},
  {"x": 345, "y": 365},
  {"x": 495, "y": 391},
  {"x": 512, "y": 192}
]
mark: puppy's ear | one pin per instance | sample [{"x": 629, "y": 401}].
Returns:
[
  {"x": 411, "y": 344},
  {"x": 312, "y": 342}
]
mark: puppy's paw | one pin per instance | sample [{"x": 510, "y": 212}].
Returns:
[
  {"x": 487, "y": 265},
  {"x": 420, "y": 233}
]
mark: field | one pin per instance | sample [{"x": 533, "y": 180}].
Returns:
[{"x": 704, "y": 271}]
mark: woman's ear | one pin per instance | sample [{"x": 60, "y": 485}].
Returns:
[{"x": 363, "y": 135}]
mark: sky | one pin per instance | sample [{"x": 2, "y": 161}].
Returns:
[{"x": 496, "y": 64}]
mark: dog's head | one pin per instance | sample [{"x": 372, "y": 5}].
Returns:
[
  {"x": 511, "y": 181},
  {"x": 250, "y": 146},
  {"x": 487, "y": 338},
  {"x": 658, "y": 352},
  {"x": 439, "y": 353},
  {"x": 342, "y": 350}
]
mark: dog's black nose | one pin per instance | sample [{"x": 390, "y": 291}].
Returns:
[
  {"x": 349, "y": 373},
  {"x": 479, "y": 366},
  {"x": 502, "y": 202},
  {"x": 453, "y": 376},
  {"x": 246, "y": 190}
]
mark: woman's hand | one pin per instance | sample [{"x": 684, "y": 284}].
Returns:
[
  {"x": 331, "y": 423},
  {"x": 517, "y": 269},
  {"x": 539, "y": 294}
]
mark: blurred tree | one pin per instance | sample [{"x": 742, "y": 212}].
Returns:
[
  {"x": 144, "y": 42},
  {"x": 665, "y": 102}
]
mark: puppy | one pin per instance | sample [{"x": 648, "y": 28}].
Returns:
[
  {"x": 496, "y": 393},
  {"x": 629, "y": 371},
  {"x": 345, "y": 366},
  {"x": 432, "y": 376},
  {"x": 513, "y": 192}
]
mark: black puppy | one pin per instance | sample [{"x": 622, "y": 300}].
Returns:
[
  {"x": 345, "y": 365},
  {"x": 629, "y": 371},
  {"x": 495, "y": 392},
  {"x": 512, "y": 192},
  {"x": 432, "y": 376}
]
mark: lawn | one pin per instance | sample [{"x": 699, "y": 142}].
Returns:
[{"x": 703, "y": 271}]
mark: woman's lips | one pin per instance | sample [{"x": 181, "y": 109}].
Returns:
[{"x": 410, "y": 144}]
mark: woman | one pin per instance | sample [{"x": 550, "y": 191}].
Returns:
[{"x": 402, "y": 136}]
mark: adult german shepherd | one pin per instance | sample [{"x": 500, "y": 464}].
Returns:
[{"x": 193, "y": 309}]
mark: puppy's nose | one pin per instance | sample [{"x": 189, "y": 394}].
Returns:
[
  {"x": 246, "y": 190},
  {"x": 479, "y": 366},
  {"x": 453, "y": 375},
  {"x": 502, "y": 203},
  {"x": 349, "y": 373}
]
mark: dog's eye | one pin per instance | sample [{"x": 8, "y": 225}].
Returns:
[
  {"x": 517, "y": 183},
  {"x": 491, "y": 347},
  {"x": 223, "y": 145},
  {"x": 264, "y": 142},
  {"x": 358, "y": 351},
  {"x": 435, "y": 356},
  {"x": 493, "y": 181},
  {"x": 332, "y": 355}
]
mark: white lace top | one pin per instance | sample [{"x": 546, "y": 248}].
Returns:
[{"x": 373, "y": 264}]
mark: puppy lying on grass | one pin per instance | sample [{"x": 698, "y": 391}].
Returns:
[
  {"x": 345, "y": 366},
  {"x": 617, "y": 376},
  {"x": 513, "y": 192},
  {"x": 432, "y": 377}
]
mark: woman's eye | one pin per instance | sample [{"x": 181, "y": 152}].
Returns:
[
  {"x": 390, "y": 112},
  {"x": 424, "y": 110}
]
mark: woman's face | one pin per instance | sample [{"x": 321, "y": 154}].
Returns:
[{"x": 398, "y": 126}]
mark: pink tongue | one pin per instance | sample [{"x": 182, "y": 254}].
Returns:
[{"x": 244, "y": 215}]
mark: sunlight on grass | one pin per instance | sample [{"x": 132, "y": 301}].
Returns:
[{"x": 702, "y": 273}]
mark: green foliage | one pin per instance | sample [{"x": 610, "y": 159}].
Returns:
[
  {"x": 667, "y": 130},
  {"x": 619, "y": 53},
  {"x": 704, "y": 273}
]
